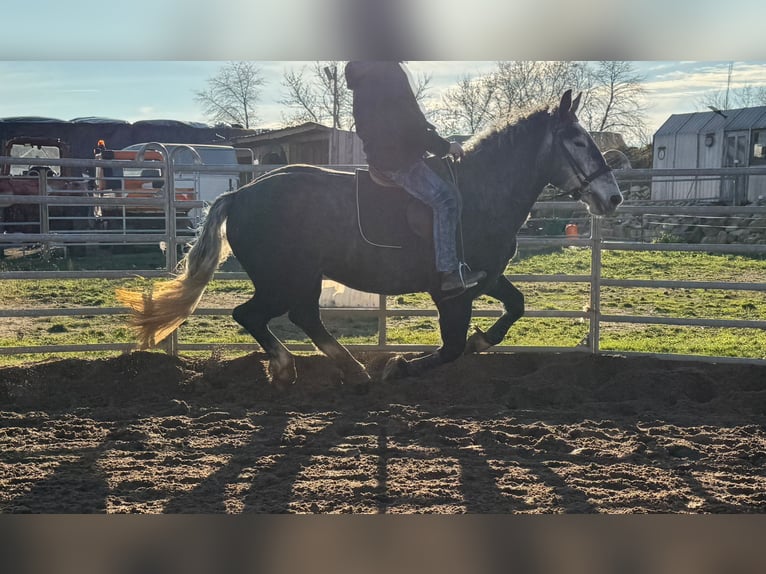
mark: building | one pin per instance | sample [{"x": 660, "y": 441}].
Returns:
[
  {"x": 310, "y": 143},
  {"x": 714, "y": 139}
]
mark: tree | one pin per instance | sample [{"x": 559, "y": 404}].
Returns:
[
  {"x": 615, "y": 101},
  {"x": 515, "y": 87},
  {"x": 466, "y": 107},
  {"x": 613, "y": 96},
  {"x": 232, "y": 94},
  {"x": 522, "y": 85},
  {"x": 320, "y": 94},
  {"x": 743, "y": 97}
]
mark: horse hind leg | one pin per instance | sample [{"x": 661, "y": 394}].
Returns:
[
  {"x": 254, "y": 316},
  {"x": 306, "y": 316}
]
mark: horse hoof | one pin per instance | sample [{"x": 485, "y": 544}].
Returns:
[
  {"x": 396, "y": 368},
  {"x": 282, "y": 377},
  {"x": 476, "y": 343}
]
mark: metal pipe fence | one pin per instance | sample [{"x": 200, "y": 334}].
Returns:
[{"x": 164, "y": 200}]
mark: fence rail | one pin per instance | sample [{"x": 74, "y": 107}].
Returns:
[{"x": 165, "y": 200}]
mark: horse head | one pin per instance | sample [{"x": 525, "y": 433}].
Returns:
[{"x": 577, "y": 165}]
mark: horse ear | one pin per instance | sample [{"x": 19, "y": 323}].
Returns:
[
  {"x": 565, "y": 104},
  {"x": 576, "y": 103}
]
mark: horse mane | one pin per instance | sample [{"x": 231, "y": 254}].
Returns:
[
  {"x": 510, "y": 151},
  {"x": 501, "y": 168},
  {"x": 507, "y": 132}
]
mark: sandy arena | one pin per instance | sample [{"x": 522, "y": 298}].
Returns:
[{"x": 495, "y": 433}]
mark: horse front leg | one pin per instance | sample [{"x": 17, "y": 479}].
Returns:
[
  {"x": 454, "y": 318},
  {"x": 513, "y": 303}
]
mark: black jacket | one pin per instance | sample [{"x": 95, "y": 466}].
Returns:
[{"x": 389, "y": 121}]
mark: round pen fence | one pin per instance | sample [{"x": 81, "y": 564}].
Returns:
[{"x": 696, "y": 223}]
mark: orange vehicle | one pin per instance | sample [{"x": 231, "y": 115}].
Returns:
[
  {"x": 134, "y": 182},
  {"x": 189, "y": 184}
]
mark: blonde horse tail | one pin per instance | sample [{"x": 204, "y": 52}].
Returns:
[{"x": 161, "y": 311}]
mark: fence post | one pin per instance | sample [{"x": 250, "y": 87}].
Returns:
[
  {"x": 594, "y": 334},
  {"x": 382, "y": 321},
  {"x": 171, "y": 247},
  {"x": 45, "y": 226}
]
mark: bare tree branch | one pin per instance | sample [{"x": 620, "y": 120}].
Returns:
[
  {"x": 616, "y": 101},
  {"x": 232, "y": 94},
  {"x": 613, "y": 96},
  {"x": 312, "y": 94},
  {"x": 746, "y": 96},
  {"x": 466, "y": 108}
]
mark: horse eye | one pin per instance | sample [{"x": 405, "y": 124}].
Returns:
[{"x": 579, "y": 144}]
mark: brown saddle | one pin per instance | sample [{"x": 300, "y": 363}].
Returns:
[{"x": 388, "y": 216}]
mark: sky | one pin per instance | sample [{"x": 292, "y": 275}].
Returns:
[
  {"x": 161, "y": 89},
  {"x": 146, "y": 59}
]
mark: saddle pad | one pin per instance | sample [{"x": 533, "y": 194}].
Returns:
[{"x": 390, "y": 216}]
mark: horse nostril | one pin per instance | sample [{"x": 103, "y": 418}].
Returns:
[{"x": 616, "y": 199}]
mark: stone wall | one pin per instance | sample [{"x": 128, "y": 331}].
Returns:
[
  {"x": 622, "y": 226},
  {"x": 686, "y": 229}
]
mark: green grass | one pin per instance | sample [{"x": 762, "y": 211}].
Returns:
[
  {"x": 684, "y": 340},
  {"x": 221, "y": 330}
]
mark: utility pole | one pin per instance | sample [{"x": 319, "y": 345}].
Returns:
[{"x": 728, "y": 87}]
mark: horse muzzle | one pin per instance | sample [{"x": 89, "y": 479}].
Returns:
[{"x": 601, "y": 199}]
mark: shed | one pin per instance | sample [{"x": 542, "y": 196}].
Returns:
[
  {"x": 714, "y": 139},
  {"x": 310, "y": 143}
]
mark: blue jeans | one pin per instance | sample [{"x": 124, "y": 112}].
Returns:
[{"x": 442, "y": 197}]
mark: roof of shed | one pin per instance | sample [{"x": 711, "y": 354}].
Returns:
[
  {"x": 281, "y": 133},
  {"x": 701, "y": 122},
  {"x": 747, "y": 118}
]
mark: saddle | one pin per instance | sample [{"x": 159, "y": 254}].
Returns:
[{"x": 388, "y": 215}]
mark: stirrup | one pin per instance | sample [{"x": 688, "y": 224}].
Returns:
[
  {"x": 463, "y": 270},
  {"x": 460, "y": 274}
]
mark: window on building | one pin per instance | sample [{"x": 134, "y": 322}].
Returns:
[{"x": 758, "y": 151}]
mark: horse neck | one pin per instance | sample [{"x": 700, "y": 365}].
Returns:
[{"x": 502, "y": 177}]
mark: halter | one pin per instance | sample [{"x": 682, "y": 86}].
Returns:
[{"x": 584, "y": 179}]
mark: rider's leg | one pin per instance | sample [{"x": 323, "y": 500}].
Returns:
[{"x": 443, "y": 198}]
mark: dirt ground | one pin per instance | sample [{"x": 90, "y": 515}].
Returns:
[{"x": 495, "y": 433}]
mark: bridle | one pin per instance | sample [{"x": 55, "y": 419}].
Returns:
[{"x": 583, "y": 178}]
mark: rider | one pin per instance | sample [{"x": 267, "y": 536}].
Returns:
[{"x": 396, "y": 135}]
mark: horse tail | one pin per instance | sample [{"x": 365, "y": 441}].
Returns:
[{"x": 159, "y": 312}]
